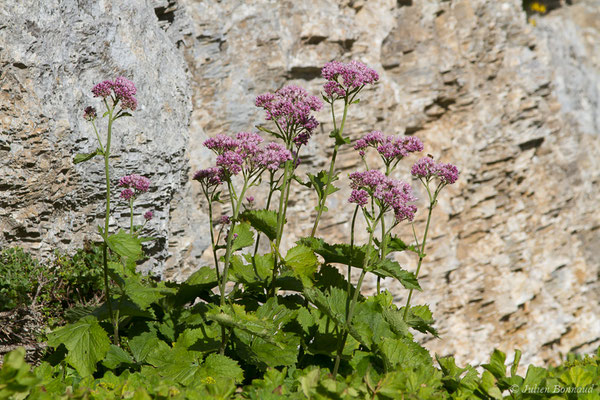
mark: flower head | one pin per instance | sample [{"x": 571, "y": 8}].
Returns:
[
  {"x": 123, "y": 89},
  {"x": 389, "y": 147},
  {"x": 274, "y": 156},
  {"x": 224, "y": 220},
  {"x": 102, "y": 89},
  {"x": 389, "y": 193},
  {"x": 344, "y": 78},
  {"x": 148, "y": 215},
  {"x": 246, "y": 153},
  {"x": 89, "y": 114},
  {"x": 209, "y": 177},
  {"x": 427, "y": 168},
  {"x": 134, "y": 185},
  {"x": 290, "y": 107}
]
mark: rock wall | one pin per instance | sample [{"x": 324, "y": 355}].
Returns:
[
  {"x": 51, "y": 55},
  {"x": 512, "y": 260}
]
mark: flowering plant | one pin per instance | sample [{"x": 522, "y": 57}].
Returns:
[{"x": 258, "y": 309}]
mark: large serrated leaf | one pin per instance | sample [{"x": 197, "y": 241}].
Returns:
[
  {"x": 264, "y": 221},
  {"x": 302, "y": 260},
  {"x": 496, "y": 365},
  {"x": 338, "y": 253},
  {"x": 421, "y": 319},
  {"x": 219, "y": 366},
  {"x": 143, "y": 345},
  {"x": 405, "y": 352},
  {"x": 125, "y": 245},
  {"x": 388, "y": 268},
  {"x": 244, "y": 237},
  {"x": 86, "y": 343},
  {"x": 143, "y": 294},
  {"x": 115, "y": 357}
]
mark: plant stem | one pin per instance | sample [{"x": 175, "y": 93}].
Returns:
[
  {"x": 323, "y": 200},
  {"x": 212, "y": 238},
  {"x": 344, "y": 336},
  {"x": 432, "y": 201},
  {"x": 280, "y": 221},
  {"x": 236, "y": 210},
  {"x": 114, "y": 322},
  {"x": 131, "y": 216}
]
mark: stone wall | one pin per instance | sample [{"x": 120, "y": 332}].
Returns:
[{"x": 512, "y": 260}]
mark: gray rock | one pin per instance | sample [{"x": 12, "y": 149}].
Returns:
[{"x": 53, "y": 52}]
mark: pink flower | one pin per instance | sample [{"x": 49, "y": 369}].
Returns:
[
  {"x": 290, "y": 107},
  {"x": 102, "y": 89},
  {"x": 137, "y": 182},
  {"x": 389, "y": 193},
  {"x": 345, "y": 78},
  {"x": 127, "y": 194},
  {"x": 89, "y": 114},
  {"x": 148, "y": 215},
  {"x": 389, "y": 147},
  {"x": 273, "y": 156},
  {"x": 224, "y": 220},
  {"x": 427, "y": 168},
  {"x": 134, "y": 185},
  {"x": 123, "y": 89},
  {"x": 209, "y": 177}
]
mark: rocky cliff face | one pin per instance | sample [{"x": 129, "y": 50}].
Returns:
[
  {"x": 51, "y": 55},
  {"x": 512, "y": 260}
]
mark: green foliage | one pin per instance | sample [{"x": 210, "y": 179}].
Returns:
[{"x": 57, "y": 285}]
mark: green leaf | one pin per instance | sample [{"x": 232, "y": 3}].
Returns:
[
  {"x": 515, "y": 364},
  {"x": 405, "y": 352},
  {"x": 254, "y": 271},
  {"x": 264, "y": 221},
  {"x": 86, "y": 343},
  {"x": 395, "y": 244},
  {"x": 421, "y": 319},
  {"x": 496, "y": 365},
  {"x": 219, "y": 366},
  {"x": 263, "y": 129},
  {"x": 116, "y": 356},
  {"x": 125, "y": 245},
  {"x": 302, "y": 260},
  {"x": 339, "y": 140},
  {"x": 535, "y": 376},
  {"x": 388, "y": 268},
  {"x": 82, "y": 157},
  {"x": 16, "y": 379},
  {"x": 578, "y": 377},
  {"x": 319, "y": 182},
  {"x": 338, "y": 253},
  {"x": 488, "y": 385},
  {"x": 144, "y": 344},
  {"x": 244, "y": 238},
  {"x": 143, "y": 294}
]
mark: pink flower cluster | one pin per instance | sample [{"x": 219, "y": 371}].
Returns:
[
  {"x": 389, "y": 147},
  {"x": 427, "y": 168},
  {"x": 134, "y": 185},
  {"x": 148, "y": 215},
  {"x": 123, "y": 89},
  {"x": 209, "y": 177},
  {"x": 244, "y": 152},
  {"x": 390, "y": 193},
  {"x": 344, "y": 78},
  {"x": 290, "y": 107}
]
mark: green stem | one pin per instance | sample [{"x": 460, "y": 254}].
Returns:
[
  {"x": 266, "y": 208},
  {"x": 323, "y": 200},
  {"x": 432, "y": 201},
  {"x": 236, "y": 210},
  {"x": 115, "y": 322},
  {"x": 344, "y": 336},
  {"x": 212, "y": 238},
  {"x": 280, "y": 221},
  {"x": 131, "y": 216}
]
